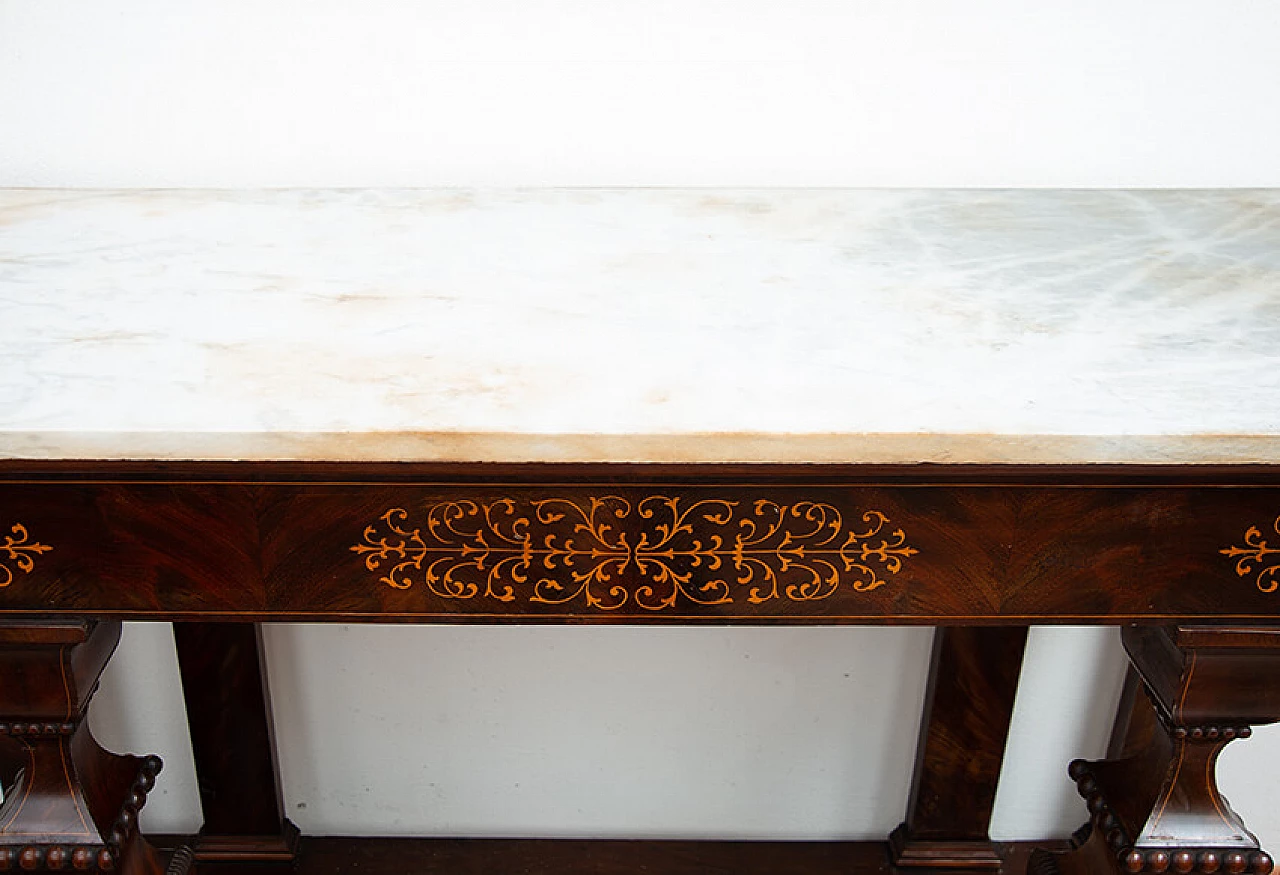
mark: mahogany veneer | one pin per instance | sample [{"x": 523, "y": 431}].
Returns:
[
  {"x": 68, "y": 804},
  {"x": 699, "y": 543},
  {"x": 1159, "y": 809},
  {"x": 982, "y": 551},
  {"x": 973, "y": 680}
]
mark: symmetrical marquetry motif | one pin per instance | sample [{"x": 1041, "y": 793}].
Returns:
[
  {"x": 608, "y": 552},
  {"x": 1258, "y": 553},
  {"x": 17, "y": 548}
]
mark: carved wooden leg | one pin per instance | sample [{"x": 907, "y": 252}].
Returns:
[
  {"x": 68, "y": 804},
  {"x": 234, "y": 745},
  {"x": 1158, "y": 808},
  {"x": 972, "y": 684}
]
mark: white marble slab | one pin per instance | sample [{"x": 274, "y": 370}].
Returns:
[{"x": 644, "y": 325}]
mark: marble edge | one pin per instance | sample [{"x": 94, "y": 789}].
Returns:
[
  {"x": 128, "y": 191},
  {"x": 689, "y": 448}
]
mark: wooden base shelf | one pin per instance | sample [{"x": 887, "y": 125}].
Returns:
[{"x": 396, "y": 856}]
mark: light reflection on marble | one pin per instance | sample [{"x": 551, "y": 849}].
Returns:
[{"x": 642, "y": 325}]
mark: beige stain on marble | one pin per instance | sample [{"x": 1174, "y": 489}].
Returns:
[{"x": 879, "y": 449}]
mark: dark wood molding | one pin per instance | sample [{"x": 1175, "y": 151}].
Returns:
[
  {"x": 394, "y": 856},
  {"x": 595, "y": 473},
  {"x": 281, "y": 848}
]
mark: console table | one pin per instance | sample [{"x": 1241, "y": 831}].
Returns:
[{"x": 975, "y": 410}]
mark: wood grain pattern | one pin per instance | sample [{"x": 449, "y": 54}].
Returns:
[
  {"x": 68, "y": 804},
  {"x": 1157, "y": 806},
  {"x": 233, "y": 743},
  {"x": 973, "y": 680},
  {"x": 224, "y": 541},
  {"x": 384, "y": 856},
  {"x": 952, "y": 546}
]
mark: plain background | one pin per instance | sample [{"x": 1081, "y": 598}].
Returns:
[{"x": 623, "y": 731}]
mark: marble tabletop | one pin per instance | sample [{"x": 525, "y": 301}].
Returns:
[{"x": 641, "y": 325}]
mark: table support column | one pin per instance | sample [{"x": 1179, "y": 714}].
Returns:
[
  {"x": 1156, "y": 807},
  {"x": 972, "y": 683},
  {"x": 68, "y": 804},
  {"x": 1135, "y": 719},
  {"x": 233, "y": 742}
]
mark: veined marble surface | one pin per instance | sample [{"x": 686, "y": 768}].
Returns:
[{"x": 642, "y": 325}]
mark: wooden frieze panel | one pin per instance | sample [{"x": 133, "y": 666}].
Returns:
[{"x": 634, "y": 548}]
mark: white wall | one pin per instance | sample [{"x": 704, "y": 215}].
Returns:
[
  {"x": 639, "y": 92},
  {"x": 744, "y": 732}
]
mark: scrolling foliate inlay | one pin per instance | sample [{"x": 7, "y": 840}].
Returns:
[
  {"x": 610, "y": 552},
  {"x": 17, "y": 548},
  {"x": 1257, "y": 553}
]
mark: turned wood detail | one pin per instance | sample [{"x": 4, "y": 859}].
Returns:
[
  {"x": 1156, "y": 806},
  {"x": 68, "y": 804},
  {"x": 973, "y": 680}
]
